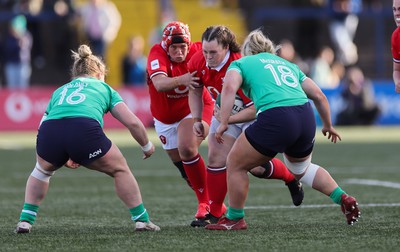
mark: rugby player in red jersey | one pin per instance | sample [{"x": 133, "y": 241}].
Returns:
[{"x": 169, "y": 82}]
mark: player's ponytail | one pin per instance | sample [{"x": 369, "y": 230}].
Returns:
[{"x": 85, "y": 63}]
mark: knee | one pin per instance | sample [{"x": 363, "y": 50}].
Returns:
[
  {"x": 187, "y": 152},
  {"x": 304, "y": 171},
  {"x": 118, "y": 170},
  {"x": 259, "y": 172},
  {"x": 117, "y": 167},
  {"x": 41, "y": 174},
  {"x": 215, "y": 160},
  {"x": 297, "y": 168}
]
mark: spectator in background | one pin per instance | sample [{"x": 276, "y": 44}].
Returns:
[
  {"x": 101, "y": 21},
  {"x": 17, "y": 54},
  {"x": 325, "y": 71},
  {"x": 288, "y": 52},
  {"x": 308, "y": 28},
  {"x": 374, "y": 5},
  {"x": 166, "y": 15},
  {"x": 134, "y": 63},
  {"x": 343, "y": 28},
  {"x": 359, "y": 99}
]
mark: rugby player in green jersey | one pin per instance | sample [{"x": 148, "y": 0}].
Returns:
[{"x": 71, "y": 133}]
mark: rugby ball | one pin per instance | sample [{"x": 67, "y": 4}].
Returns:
[{"x": 237, "y": 105}]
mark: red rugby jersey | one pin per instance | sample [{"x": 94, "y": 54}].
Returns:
[
  {"x": 396, "y": 45},
  {"x": 213, "y": 79},
  {"x": 171, "y": 106}
]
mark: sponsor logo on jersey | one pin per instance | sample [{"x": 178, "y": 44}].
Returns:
[
  {"x": 94, "y": 154},
  {"x": 155, "y": 64}
]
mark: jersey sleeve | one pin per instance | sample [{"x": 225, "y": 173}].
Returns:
[
  {"x": 157, "y": 61},
  {"x": 115, "y": 97},
  {"x": 235, "y": 66},
  {"x": 302, "y": 76},
  {"x": 395, "y": 42}
]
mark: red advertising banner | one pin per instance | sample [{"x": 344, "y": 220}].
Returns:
[{"x": 23, "y": 110}]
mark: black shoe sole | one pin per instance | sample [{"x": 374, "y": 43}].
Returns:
[
  {"x": 296, "y": 193},
  {"x": 200, "y": 222}
]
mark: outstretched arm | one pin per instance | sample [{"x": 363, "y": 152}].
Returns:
[
  {"x": 122, "y": 113},
  {"x": 245, "y": 115},
  {"x": 321, "y": 103},
  {"x": 196, "y": 109},
  {"x": 163, "y": 83}
]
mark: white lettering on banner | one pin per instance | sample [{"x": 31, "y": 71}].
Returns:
[{"x": 18, "y": 107}]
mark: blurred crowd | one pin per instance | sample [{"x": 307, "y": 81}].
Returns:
[
  {"x": 39, "y": 33},
  {"x": 29, "y": 41}
]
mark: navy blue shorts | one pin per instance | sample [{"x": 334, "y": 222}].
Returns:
[
  {"x": 289, "y": 130},
  {"x": 81, "y": 139}
]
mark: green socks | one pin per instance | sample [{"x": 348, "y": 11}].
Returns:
[
  {"x": 139, "y": 213},
  {"x": 29, "y": 213},
  {"x": 235, "y": 213},
  {"x": 336, "y": 195}
]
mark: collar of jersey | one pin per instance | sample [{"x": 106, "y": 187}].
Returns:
[{"x": 217, "y": 68}]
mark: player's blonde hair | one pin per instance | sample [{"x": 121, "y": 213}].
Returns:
[
  {"x": 256, "y": 42},
  {"x": 85, "y": 63}
]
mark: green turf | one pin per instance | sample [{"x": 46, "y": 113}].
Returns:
[{"x": 82, "y": 213}]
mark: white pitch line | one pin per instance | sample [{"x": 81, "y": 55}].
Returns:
[
  {"x": 373, "y": 183},
  {"x": 321, "y": 206}
]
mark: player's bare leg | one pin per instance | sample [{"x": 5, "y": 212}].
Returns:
[
  {"x": 114, "y": 164},
  {"x": 35, "y": 191}
]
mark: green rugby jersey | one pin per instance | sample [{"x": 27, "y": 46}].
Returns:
[
  {"x": 82, "y": 97},
  {"x": 270, "y": 81}
]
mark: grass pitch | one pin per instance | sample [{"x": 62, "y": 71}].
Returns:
[{"x": 82, "y": 213}]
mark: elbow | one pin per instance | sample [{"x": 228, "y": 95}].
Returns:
[
  {"x": 322, "y": 97},
  {"x": 159, "y": 88},
  {"x": 132, "y": 125},
  {"x": 319, "y": 98}
]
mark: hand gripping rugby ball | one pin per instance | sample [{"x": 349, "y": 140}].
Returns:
[{"x": 237, "y": 105}]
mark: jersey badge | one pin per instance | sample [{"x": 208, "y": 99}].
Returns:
[{"x": 155, "y": 64}]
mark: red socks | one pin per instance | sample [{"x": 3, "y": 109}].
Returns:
[
  {"x": 217, "y": 189},
  {"x": 195, "y": 169},
  {"x": 278, "y": 170}
]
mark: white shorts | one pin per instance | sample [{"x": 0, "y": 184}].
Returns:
[
  {"x": 168, "y": 133},
  {"x": 233, "y": 130}
]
